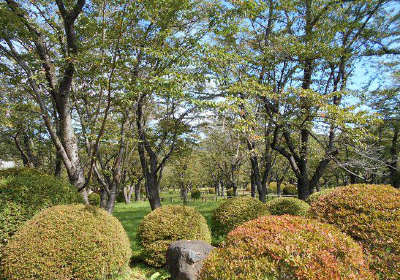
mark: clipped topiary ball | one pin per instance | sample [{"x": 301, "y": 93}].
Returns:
[
  {"x": 288, "y": 205},
  {"x": 234, "y": 212},
  {"x": 78, "y": 242},
  {"x": 195, "y": 194},
  {"x": 286, "y": 247},
  {"x": 94, "y": 199},
  {"x": 370, "y": 214},
  {"x": 289, "y": 189},
  {"x": 167, "y": 224},
  {"x": 24, "y": 192},
  {"x": 211, "y": 190},
  {"x": 317, "y": 195},
  {"x": 230, "y": 192}
]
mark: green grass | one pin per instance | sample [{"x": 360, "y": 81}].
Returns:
[{"x": 131, "y": 215}]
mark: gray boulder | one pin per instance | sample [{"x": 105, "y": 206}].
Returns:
[{"x": 185, "y": 258}]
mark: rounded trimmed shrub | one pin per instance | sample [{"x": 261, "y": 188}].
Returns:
[
  {"x": 230, "y": 192},
  {"x": 167, "y": 224},
  {"x": 195, "y": 194},
  {"x": 317, "y": 195},
  {"x": 289, "y": 189},
  {"x": 272, "y": 187},
  {"x": 370, "y": 214},
  {"x": 286, "y": 247},
  {"x": 94, "y": 199},
  {"x": 288, "y": 205},
  {"x": 211, "y": 190},
  {"x": 234, "y": 212},
  {"x": 25, "y": 192},
  {"x": 76, "y": 241}
]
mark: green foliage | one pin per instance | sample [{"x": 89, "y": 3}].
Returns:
[
  {"x": 286, "y": 247},
  {"x": 12, "y": 217},
  {"x": 230, "y": 192},
  {"x": 272, "y": 187},
  {"x": 120, "y": 197},
  {"x": 167, "y": 224},
  {"x": 94, "y": 199},
  {"x": 234, "y": 212},
  {"x": 289, "y": 189},
  {"x": 211, "y": 190},
  {"x": 24, "y": 192},
  {"x": 317, "y": 195},
  {"x": 195, "y": 194},
  {"x": 67, "y": 242},
  {"x": 369, "y": 214},
  {"x": 288, "y": 205}
]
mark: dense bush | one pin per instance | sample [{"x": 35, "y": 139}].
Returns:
[
  {"x": 211, "y": 190},
  {"x": 289, "y": 189},
  {"x": 77, "y": 241},
  {"x": 370, "y": 214},
  {"x": 94, "y": 199},
  {"x": 195, "y": 194},
  {"x": 286, "y": 247},
  {"x": 24, "y": 192},
  {"x": 234, "y": 212},
  {"x": 168, "y": 224},
  {"x": 317, "y": 195},
  {"x": 272, "y": 187},
  {"x": 12, "y": 216},
  {"x": 230, "y": 192},
  {"x": 288, "y": 205}
]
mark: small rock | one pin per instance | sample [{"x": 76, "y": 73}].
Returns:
[{"x": 185, "y": 258}]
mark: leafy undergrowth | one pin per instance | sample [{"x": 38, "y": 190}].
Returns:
[{"x": 131, "y": 215}]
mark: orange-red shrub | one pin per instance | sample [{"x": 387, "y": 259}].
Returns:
[
  {"x": 370, "y": 214},
  {"x": 286, "y": 247}
]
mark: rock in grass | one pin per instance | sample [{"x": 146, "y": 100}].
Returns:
[{"x": 185, "y": 258}]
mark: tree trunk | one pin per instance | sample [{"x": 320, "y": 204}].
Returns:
[{"x": 137, "y": 192}]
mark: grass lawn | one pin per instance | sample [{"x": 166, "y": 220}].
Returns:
[{"x": 131, "y": 216}]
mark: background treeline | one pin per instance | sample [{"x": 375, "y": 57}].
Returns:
[{"x": 125, "y": 97}]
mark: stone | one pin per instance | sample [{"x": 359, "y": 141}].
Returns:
[{"x": 185, "y": 258}]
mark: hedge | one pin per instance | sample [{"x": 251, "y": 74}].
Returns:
[
  {"x": 24, "y": 192},
  {"x": 288, "y": 205},
  {"x": 286, "y": 247},
  {"x": 234, "y": 212},
  {"x": 371, "y": 215},
  {"x": 79, "y": 242},
  {"x": 167, "y": 224},
  {"x": 317, "y": 195}
]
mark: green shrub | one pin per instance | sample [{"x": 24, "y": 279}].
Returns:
[
  {"x": 94, "y": 199},
  {"x": 120, "y": 197},
  {"x": 211, "y": 190},
  {"x": 24, "y": 192},
  {"x": 317, "y": 195},
  {"x": 230, "y": 192},
  {"x": 248, "y": 187},
  {"x": 288, "y": 205},
  {"x": 370, "y": 214},
  {"x": 167, "y": 224},
  {"x": 195, "y": 194},
  {"x": 234, "y": 212},
  {"x": 272, "y": 187},
  {"x": 289, "y": 189},
  {"x": 286, "y": 247},
  {"x": 77, "y": 241}
]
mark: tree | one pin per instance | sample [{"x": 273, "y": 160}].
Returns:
[{"x": 42, "y": 47}]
